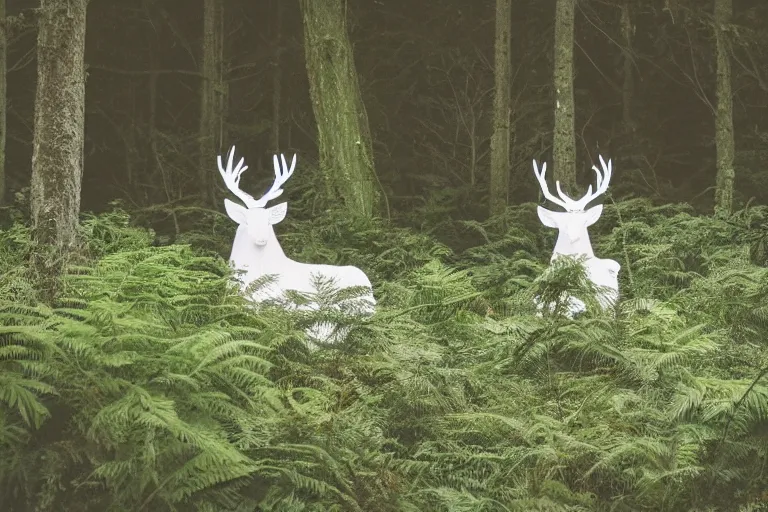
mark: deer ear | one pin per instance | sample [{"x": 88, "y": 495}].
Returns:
[
  {"x": 277, "y": 212},
  {"x": 546, "y": 217},
  {"x": 235, "y": 211},
  {"x": 593, "y": 214}
]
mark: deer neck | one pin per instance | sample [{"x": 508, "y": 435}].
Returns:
[
  {"x": 257, "y": 260},
  {"x": 565, "y": 245}
]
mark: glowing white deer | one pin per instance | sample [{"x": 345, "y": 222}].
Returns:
[
  {"x": 573, "y": 236},
  {"x": 256, "y": 251}
]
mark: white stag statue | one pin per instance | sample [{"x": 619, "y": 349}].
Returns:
[
  {"x": 256, "y": 252},
  {"x": 573, "y": 236}
]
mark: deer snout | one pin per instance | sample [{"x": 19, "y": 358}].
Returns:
[
  {"x": 574, "y": 233},
  {"x": 258, "y": 237}
]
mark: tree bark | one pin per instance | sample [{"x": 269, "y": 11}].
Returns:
[
  {"x": 628, "y": 87},
  {"x": 501, "y": 109},
  {"x": 344, "y": 139},
  {"x": 724, "y": 141},
  {"x": 3, "y": 97},
  {"x": 57, "y": 154},
  {"x": 277, "y": 78},
  {"x": 212, "y": 93},
  {"x": 564, "y": 137}
]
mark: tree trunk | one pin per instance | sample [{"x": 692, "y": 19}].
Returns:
[
  {"x": 344, "y": 139},
  {"x": 501, "y": 109},
  {"x": 57, "y": 154},
  {"x": 277, "y": 78},
  {"x": 3, "y": 96},
  {"x": 724, "y": 142},
  {"x": 564, "y": 137},
  {"x": 211, "y": 96},
  {"x": 628, "y": 88}
]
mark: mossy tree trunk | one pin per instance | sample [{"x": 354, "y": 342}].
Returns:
[
  {"x": 628, "y": 28},
  {"x": 344, "y": 139},
  {"x": 501, "y": 109},
  {"x": 57, "y": 154},
  {"x": 564, "y": 137},
  {"x": 3, "y": 96},
  {"x": 212, "y": 94},
  {"x": 724, "y": 141}
]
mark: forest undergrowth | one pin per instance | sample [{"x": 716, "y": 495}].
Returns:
[{"x": 150, "y": 385}]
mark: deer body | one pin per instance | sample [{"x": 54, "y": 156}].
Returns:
[
  {"x": 256, "y": 252},
  {"x": 256, "y": 262},
  {"x": 573, "y": 235}
]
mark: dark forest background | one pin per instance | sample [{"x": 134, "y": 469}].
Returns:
[
  {"x": 135, "y": 376},
  {"x": 426, "y": 76}
]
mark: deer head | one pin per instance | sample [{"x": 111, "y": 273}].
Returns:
[
  {"x": 573, "y": 237},
  {"x": 254, "y": 219}
]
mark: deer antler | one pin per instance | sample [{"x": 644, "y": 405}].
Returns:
[
  {"x": 232, "y": 179},
  {"x": 566, "y": 202},
  {"x": 545, "y": 188},
  {"x": 602, "y": 183},
  {"x": 281, "y": 176}
]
